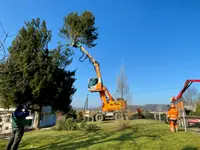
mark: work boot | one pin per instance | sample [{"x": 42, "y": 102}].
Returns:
[
  {"x": 172, "y": 129},
  {"x": 176, "y": 129}
]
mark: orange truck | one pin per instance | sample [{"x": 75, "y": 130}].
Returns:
[{"x": 111, "y": 108}]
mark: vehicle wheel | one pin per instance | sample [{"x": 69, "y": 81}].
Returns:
[
  {"x": 99, "y": 117},
  {"x": 118, "y": 116}
]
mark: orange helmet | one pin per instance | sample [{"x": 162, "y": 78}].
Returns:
[{"x": 172, "y": 105}]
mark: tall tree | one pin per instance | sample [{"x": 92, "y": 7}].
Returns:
[
  {"x": 80, "y": 29},
  {"x": 35, "y": 75},
  {"x": 122, "y": 84}
]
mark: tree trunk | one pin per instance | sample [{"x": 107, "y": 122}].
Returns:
[
  {"x": 59, "y": 116},
  {"x": 37, "y": 117}
]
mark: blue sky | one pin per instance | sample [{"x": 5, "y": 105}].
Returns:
[{"x": 159, "y": 42}]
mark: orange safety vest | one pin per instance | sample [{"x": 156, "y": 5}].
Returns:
[
  {"x": 173, "y": 114},
  {"x": 139, "y": 110}
]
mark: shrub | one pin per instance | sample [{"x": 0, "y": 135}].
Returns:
[
  {"x": 88, "y": 127},
  {"x": 91, "y": 127},
  {"x": 71, "y": 124},
  {"x": 83, "y": 124},
  {"x": 71, "y": 114},
  {"x": 124, "y": 124},
  {"x": 60, "y": 124},
  {"x": 66, "y": 124}
]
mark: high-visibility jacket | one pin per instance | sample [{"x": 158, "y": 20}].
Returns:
[
  {"x": 173, "y": 114},
  {"x": 139, "y": 110}
]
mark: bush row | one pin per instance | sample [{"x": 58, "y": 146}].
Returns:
[{"x": 66, "y": 124}]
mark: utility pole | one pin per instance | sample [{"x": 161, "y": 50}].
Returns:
[{"x": 86, "y": 103}]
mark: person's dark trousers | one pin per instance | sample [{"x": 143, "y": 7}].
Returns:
[{"x": 15, "y": 138}]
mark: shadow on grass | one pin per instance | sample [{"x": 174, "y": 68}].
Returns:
[
  {"x": 76, "y": 141},
  {"x": 72, "y": 143},
  {"x": 86, "y": 140},
  {"x": 190, "y": 148}
]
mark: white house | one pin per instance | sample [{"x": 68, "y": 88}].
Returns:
[{"x": 47, "y": 119}]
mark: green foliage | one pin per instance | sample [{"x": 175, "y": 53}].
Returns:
[
  {"x": 66, "y": 124},
  {"x": 71, "y": 114},
  {"x": 91, "y": 127},
  {"x": 34, "y": 74},
  {"x": 5, "y": 103},
  {"x": 83, "y": 124},
  {"x": 60, "y": 124},
  {"x": 80, "y": 28},
  {"x": 71, "y": 124},
  {"x": 88, "y": 127}
]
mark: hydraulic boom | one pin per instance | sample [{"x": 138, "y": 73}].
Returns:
[
  {"x": 186, "y": 86},
  {"x": 109, "y": 104}
]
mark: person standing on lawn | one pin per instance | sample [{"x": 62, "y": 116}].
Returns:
[
  {"x": 139, "y": 111},
  {"x": 18, "y": 123},
  {"x": 173, "y": 116}
]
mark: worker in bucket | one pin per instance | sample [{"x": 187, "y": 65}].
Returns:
[
  {"x": 18, "y": 123},
  {"x": 173, "y": 116}
]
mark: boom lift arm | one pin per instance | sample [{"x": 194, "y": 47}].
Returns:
[
  {"x": 186, "y": 86},
  {"x": 96, "y": 85}
]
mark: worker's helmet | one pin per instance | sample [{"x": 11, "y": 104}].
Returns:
[
  {"x": 173, "y": 98},
  {"x": 172, "y": 105}
]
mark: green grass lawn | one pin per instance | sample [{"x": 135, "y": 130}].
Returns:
[{"x": 143, "y": 135}]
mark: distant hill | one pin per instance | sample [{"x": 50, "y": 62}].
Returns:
[{"x": 148, "y": 107}]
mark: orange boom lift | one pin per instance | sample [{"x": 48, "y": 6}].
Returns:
[{"x": 111, "y": 108}]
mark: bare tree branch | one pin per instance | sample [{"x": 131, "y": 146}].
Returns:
[
  {"x": 4, "y": 36},
  {"x": 122, "y": 83},
  {"x": 192, "y": 95},
  {"x": 2, "y": 28}
]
